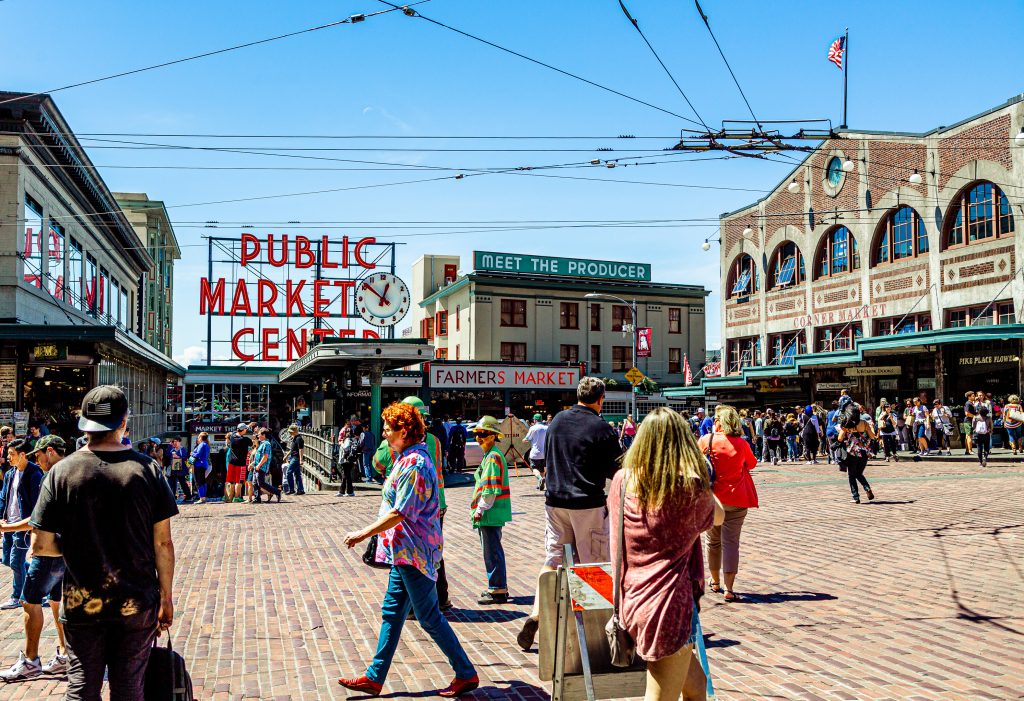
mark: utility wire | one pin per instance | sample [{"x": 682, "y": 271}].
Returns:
[
  {"x": 414, "y": 13},
  {"x": 348, "y": 20},
  {"x": 636, "y": 25},
  {"x": 722, "y": 54}
]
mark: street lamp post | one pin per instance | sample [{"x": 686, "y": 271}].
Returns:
[{"x": 632, "y": 309}]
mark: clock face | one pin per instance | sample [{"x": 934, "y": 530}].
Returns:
[{"x": 382, "y": 299}]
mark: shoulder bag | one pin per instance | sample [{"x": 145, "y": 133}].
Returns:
[{"x": 621, "y": 643}]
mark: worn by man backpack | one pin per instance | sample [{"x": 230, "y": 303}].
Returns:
[{"x": 167, "y": 679}]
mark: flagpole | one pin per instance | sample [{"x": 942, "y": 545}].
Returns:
[{"x": 846, "y": 66}]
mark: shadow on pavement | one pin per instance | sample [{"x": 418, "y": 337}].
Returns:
[
  {"x": 710, "y": 642},
  {"x": 878, "y": 502},
  {"x": 785, "y": 596},
  {"x": 458, "y": 615}
]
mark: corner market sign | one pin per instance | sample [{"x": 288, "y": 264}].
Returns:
[{"x": 568, "y": 267}]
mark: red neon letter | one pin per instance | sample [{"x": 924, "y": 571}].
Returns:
[
  {"x": 346, "y": 291},
  {"x": 304, "y": 257},
  {"x": 324, "y": 261},
  {"x": 295, "y": 345},
  {"x": 240, "y": 302},
  {"x": 283, "y": 260},
  {"x": 294, "y": 297},
  {"x": 247, "y": 254},
  {"x": 367, "y": 333},
  {"x": 269, "y": 345},
  {"x": 321, "y": 334},
  {"x": 318, "y": 301},
  {"x": 358, "y": 252},
  {"x": 214, "y": 301},
  {"x": 266, "y": 291},
  {"x": 234, "y": 344}
]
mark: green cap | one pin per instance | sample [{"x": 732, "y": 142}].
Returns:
[
  {"x": 49, "y": 441},
  {"x": 413, "y": 400},
  {"x": 537, "y": 417}
]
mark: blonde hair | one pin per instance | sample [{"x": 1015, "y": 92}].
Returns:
[
  {"x": 663, "y": 459},
  {"x": 1013, "y": 399},
  {"x": 728, "y": 419}
]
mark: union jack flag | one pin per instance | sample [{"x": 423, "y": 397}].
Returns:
[{"x": 836, "y": 50}]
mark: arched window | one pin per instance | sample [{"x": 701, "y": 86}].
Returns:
[
  {"x": 902, "y": 236},
  {"x": 742, "y": 277},
  {"x": 837, "y": 253},
  {"x": 981, "y": 211},
  {"x": 786, "y": 266}
]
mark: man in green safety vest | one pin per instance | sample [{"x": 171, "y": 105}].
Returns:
[
  {"x": 492, "y": 508},
  {"x": 384, "y": 459}
]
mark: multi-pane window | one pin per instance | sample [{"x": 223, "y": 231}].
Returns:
[
  {"x": 115, "y": 302},
  {"x": 569, "y": 353},
  {"x": 621, "y": 315},
  {"x": 33, "y": 254},
  {"x": 595, "y": 317},
  {"x": 513, "y": 312},
  {"x": 458, "y": 317},
  {"x": 513, "y": 352},
  {"x": 838, "y": 337},
  {"x": 743, "y": 353},
  {"x": 621, "y": 358},
  {"x": 675, "y": 361},
  {"x": 742, "y": 278},
  {"x": 838, "y": 253},
  {"x": 982, "y": 315},
  {"x": 911, "y": 323},
  {"x": 786, "y": 267},
  {"x": 55, "y": 253},
  {"x": 986, "y": 212},
  {"x": 569, "y": 315},
  {"x": 675, "y": 320},
  {"x": 595, "y": 359},
  {"x": 441, "y": 353},
  {"x": 903, "y": 236},
  {"x": 73, "y": 287},
  {"x": 442, "y": 323},
  {"x": 784, "y": 347},
  {"x": 427, "y": 328}
]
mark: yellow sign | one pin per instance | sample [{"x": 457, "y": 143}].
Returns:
[{"x": 635, "y": 377}]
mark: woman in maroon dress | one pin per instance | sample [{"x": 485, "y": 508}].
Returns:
[{"x": 668, "y": 504}]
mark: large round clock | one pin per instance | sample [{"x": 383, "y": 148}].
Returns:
[{"x": 382, "y": 299}]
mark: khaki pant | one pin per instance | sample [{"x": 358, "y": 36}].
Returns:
[
  {"x": 585, "y": 529},
  {"x": 724, "y": 542}
]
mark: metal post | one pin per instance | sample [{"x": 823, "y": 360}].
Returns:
[
  {"x": 209, "y": 310},
  {"x": 376, "y": 377},
  {"x": 632, "y": 388},
  {"x": 846, "y": 67}
]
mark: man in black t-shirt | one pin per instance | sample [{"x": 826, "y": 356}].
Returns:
[
  {"x": 110, "y": 507},
  {"x": 239, "y": 445},
  {"x": 296, "y": 453}
]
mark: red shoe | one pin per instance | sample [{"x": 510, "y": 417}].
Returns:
[
  {"x": 363, "y": 683},
  {"x": 458, "y": 687}
]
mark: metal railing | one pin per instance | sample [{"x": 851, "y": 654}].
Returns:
[{"x": 320, "y": 465}]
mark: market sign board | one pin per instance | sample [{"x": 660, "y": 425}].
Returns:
[
  {"x": 529, "y": 264},
  {"x": 878, "y": 371},
  {"x": 459, "y": 376}
]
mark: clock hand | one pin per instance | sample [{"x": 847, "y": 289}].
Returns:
[
  {"x": 367, "y": 286},
  {"x": 383, "y": 295}
]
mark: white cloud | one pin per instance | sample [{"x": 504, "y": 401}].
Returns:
[{"x": 191, "y": 355}]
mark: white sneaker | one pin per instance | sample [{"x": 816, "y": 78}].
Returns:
[
  {"x": 58, "y": 665},
  {"x": 11, "y": 603},
  {"x": 24, "y": 668}
]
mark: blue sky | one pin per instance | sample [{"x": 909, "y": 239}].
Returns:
[{"x": 913, "y": 66}]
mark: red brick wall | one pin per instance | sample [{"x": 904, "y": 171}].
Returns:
[
  {"x": 989, "y": 141},
  {"x": 847, "y": 197},
  {"x": 891, "y": 163}
]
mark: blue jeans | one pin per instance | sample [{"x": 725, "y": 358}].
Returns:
[
  {"x": 410, "y": 588},
  {"x": 494, "y": 557},
  {"x": 367, "y": 462},
  {"x": 15, "y": 549},
  {"x": 294, "y": 476},
  {"x": 794, "y": 453}
]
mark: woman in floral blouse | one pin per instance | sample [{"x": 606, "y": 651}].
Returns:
[{"x": 409, "y": 530}]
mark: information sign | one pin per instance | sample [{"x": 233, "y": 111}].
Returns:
[{"x": 8, "y": 381}]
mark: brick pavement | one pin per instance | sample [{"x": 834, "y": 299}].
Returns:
[{"x": 912, "y": 597}]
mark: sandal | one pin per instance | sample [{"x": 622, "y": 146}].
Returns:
[
  {"x": 731, "y": 597},
  {"x": 714, "y": 586}
]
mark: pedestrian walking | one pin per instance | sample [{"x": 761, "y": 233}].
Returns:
[
  {"x": 239, "y": 446},
  {"x": 296, "y": 456},
  {"x": 942, "y": 423},
  {"x": 17, "y": 499},
  {"x": 409, "y": 529},
  {"x": 1012, "y": 412},
  {"x": 627, "y": 433},
  {"x": 581, "y": 451},
  {"x": 810, "y": 435},
  {"x": 791, "y": 432},
  {"x": 887, "y": 431},
  {"x": 350, "y": 457},
  {"x": 107, "y": 509},
  {"x": 491, "y": 508},
  {"x": 921, "y": 424},
  {"x": 658, "y": 505},
  {"x": 199, "y": 461},
  {"x": 852, "y": 453},
  {"x": 176, "y": 458},
  {"x": 732, "y": 462},
  {"x": 536, "y": 437},
  {"x": 704, "y": 423},
  {"x": 44, "y": 580},
  {"x": 758, "y": 435},
  {"x": 261, "y": 469},
  {"x": 981, "y": 427},
  {"x": 773, "y": 434},
  {"x": 457, "y": 446},
  {"x": 367, "y": 447}
]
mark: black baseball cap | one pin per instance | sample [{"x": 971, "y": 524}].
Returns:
[{"x": 103, "y": 409}]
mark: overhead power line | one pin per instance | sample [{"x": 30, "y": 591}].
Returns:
[
  {"x": 722, "y": 54},
  {"x": 353, "y": 19},
  {"x": 414, "y": 13},
  {"x": 636, "y": 25}
]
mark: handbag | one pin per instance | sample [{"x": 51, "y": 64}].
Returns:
[
  {"x": 167, "y": 678},
  {"x": 370, "y": 555},
  {"x": 620, "y": 642}
]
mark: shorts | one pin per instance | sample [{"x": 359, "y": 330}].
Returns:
[
  {"x": 45, "y": 579},
  {"x": 538, "y": 464},
  {"x": 920, "y": 431},
  {"x": 585, "y": 529},
  {"x": 236, "y": 473}
]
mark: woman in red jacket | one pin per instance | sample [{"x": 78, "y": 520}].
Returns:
[{"x": 732, "y": 460}]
